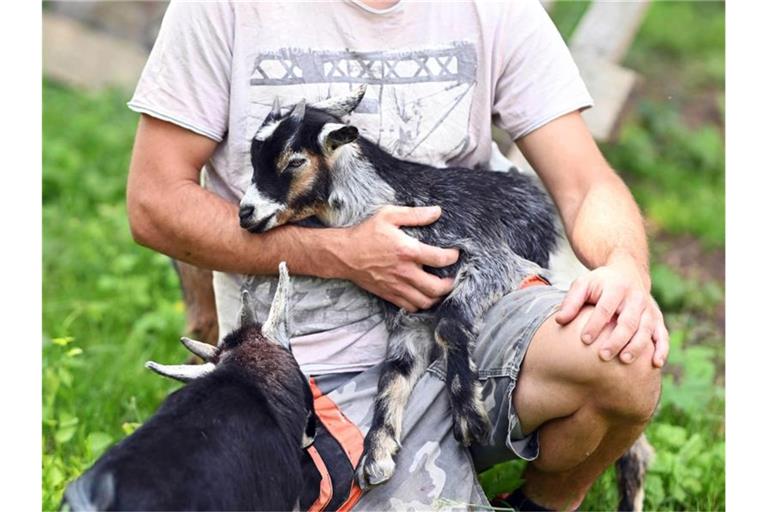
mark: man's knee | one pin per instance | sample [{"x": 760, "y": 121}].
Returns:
[
  {"x": 626, "y": 391},
  {"x": 633, "y": 391}
]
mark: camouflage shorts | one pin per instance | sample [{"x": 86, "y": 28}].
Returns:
[{"x": 433, "y": 470}]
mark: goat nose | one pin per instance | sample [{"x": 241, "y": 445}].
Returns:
[{"x": 246, "y": 211}]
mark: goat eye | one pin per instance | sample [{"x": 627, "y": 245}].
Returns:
[{"x": 295, "y": 163}]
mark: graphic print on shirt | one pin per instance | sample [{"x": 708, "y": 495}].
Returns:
[{"x": 417, "y": 104}]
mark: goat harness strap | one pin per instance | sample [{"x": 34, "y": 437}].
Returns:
[
  {"x": 345, "y": 432},
  {"x": 533, "y": 280},
  {"x": 326, "y": 489},
  {"x": 337, "y": 449}
]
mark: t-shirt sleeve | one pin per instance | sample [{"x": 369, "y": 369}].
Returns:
[
  {"x": 186, "y": 80},
  {"x": 538, "y": 80}
]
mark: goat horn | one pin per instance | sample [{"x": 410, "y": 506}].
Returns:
[
  {"x": 298, "y": 111},
  {"x": 247, "y": 315},
  {"x": 341, "y": 106},
  {"x": 181, "y": 372},
  {"x": 202, "y": 350},
  {"x": 276, "y": 328},
  {"x": 275, "y": 107}
]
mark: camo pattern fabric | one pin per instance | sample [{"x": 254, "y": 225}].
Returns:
[{"x": 434, "y": 472}]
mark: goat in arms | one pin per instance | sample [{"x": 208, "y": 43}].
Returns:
[{"x": 308, "y": 163}]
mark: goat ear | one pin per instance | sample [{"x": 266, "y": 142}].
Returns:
[
  {"x": 338, "y": 135},
  {"x": 341, "y": 106},
  {"x": 181, "y": 372},
  {"x": 277, "y": 327},
  {"x": 247, "y": 315}
]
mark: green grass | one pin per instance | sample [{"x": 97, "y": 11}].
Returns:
[{"x": 110, "y": 305}]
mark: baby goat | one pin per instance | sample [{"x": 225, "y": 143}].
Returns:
[
  {"x": 309, "y": 164},
  {"x": 231, "y": 439}
]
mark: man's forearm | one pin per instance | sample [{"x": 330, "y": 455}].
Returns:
[
  {"x": 607, "y": 227},
  {"x": 194, "y": 225},
  {"x": 600, "y": 216}
]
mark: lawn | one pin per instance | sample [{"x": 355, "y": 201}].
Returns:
[{"x": 110, "y": 305}]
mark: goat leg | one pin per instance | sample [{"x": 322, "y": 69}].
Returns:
[
  {"x": 197, "y": 292},
  {"x": 407, "y": 358},
  {"x": 470, "y": 419},
  {"x": 630, "y": 472}
]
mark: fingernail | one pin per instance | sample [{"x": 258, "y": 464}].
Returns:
[
  {"x": 605, "y": 354},
  {"x": 627, "y": 357},
  {"x": 587, "y": 338}
]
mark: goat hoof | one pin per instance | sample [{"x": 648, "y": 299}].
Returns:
[
  {"x": 372, "y": 472},
  {"x": 471, "y": 427}
]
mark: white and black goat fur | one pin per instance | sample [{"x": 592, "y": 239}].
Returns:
[
  {"x": 231, "y": 439},
  {"x": 309, "y": 164}
]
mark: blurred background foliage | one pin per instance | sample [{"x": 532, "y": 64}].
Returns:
[{"x": 110, "y": 305}]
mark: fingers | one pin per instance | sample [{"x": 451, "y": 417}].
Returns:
[
  {"x": 638, "y": 342},
  {"x": 431, "y": 285},
  {"x": 412, "y": 249},
  {"x": 435, "y": 256},
  {"x": 425, "y": 289},
  {"x": 627, "y": 325},
  {"x": 407, "y": 216},
  {"x": 661, "y": 339},
  {"x": 624, "y": 320},
  {"x": 604, "y": 310},
  {"x": 400, "y": 302},
  {"x": 414, "y": 300},
  {"x": 573, "y": 302}
]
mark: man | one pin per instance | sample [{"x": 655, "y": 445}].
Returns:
[{"x": 569, "y": 390}]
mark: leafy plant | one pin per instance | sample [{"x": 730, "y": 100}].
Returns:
[
  {"x": 677, "y": 174},
  {"x": 675, "y": 293}
]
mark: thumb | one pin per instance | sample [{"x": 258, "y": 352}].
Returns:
[{"x": 416, "y": 216}]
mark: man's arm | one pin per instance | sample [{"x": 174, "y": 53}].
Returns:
[
  {"x": 170, "y": 212},
  {"x": 605, "y": 228}
]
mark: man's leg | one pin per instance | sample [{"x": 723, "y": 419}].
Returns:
[
  {"x": 588, "y": 412},
  {"x": 197, "y": 291}
]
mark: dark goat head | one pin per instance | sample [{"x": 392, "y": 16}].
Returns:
[{"x": 276, "y": 329}]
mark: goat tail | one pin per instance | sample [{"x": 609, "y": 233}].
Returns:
[
  {"x": 89, "y": 493},
  {"x": 630, "y": 472}
]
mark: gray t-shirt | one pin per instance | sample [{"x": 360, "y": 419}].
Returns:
[{"x": 438, "y": 75}]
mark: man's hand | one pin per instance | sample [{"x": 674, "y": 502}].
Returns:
[
  {"x": 380, "y": 258},
  {"x": 619, "y": 291}
]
